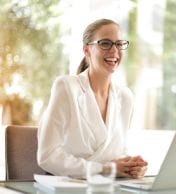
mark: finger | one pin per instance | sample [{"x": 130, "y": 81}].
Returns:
[
  {"x": 139, "y": 159},
  {"x": 124, "y": 174},
  {"x": 130, "y": 164},
  {"x": 138, "y": 172},
  {"x": 135, "y": 158},
  {"x": 139, "y": 162},
  {"x": 144, "y": 163},
  {"x": 126, "y": 169},
  {"x": 135, "y": 174},
  {"x": 136, "y": 168},
  {"x": 126, "y": 159},
  {"x": 123, "y": 169}
]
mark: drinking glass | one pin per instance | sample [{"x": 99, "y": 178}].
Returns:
[{"x": 98, "y": 181}]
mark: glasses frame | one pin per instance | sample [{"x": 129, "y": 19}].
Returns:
[{"x": 112, "y": 43}]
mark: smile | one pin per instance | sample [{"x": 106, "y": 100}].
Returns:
[{"x": 111, "y": 60}]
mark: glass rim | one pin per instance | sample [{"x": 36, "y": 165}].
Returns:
[{"x": 112, "y": 43}]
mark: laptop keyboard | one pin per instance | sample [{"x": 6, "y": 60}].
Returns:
[{"x": 144, "y": 181}]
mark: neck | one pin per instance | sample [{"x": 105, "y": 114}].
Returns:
[{"x": 99, "y": 83}]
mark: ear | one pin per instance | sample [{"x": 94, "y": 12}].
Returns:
[{"x": 86, "y": 50}]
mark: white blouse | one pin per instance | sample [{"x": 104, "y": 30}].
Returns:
[{"x": 72, "y": 131}]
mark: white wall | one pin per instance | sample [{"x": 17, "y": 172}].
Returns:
[{"x": 152, "y": 145}]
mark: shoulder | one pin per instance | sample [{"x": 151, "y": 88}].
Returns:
[
  {"x": 74, "y": 82},
  {"x": 66, "y": 82},
  {"x": 124, "y": 92},
  {"x": 65, "y": 79}
]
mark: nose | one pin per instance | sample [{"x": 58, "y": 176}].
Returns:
[{"x": 114, "y": 49}]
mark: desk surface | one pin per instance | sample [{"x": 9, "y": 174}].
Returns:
[{"x": 29, "y": 187}]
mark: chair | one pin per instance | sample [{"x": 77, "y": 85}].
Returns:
[{"x": 20, "y": 152}]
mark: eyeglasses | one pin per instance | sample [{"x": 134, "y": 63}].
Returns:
[{"x": 106, "y": 44}]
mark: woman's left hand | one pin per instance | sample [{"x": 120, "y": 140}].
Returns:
[{"x": 140, "y": 168}]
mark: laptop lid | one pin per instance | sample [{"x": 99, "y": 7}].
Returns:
[{"x": 166, "y": 178}]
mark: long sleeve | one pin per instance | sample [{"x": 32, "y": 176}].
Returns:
[{"x": 53, "y": 128}]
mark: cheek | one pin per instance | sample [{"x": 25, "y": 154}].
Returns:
[
  {"x": 96, "y": 55},
  {"x": 120, "y": 55}
]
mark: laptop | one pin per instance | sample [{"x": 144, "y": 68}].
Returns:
[{"x": 166, "y": 177}]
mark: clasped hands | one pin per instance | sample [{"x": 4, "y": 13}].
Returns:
[{"x": 131, "y": 167}]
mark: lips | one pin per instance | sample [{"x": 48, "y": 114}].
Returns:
[{"x": 111, "y": 60}]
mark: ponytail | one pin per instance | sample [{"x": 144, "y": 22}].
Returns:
[{"x": 83, "y": 66}]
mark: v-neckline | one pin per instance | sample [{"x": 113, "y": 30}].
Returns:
[{"x": 105, "y": 123}]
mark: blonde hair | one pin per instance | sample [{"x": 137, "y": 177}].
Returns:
[{"x": 88, "y": 36}]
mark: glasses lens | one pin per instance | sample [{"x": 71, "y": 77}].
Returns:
[
  {"x": 122, "y": 44},
  {"x": 105, "y": 44}
]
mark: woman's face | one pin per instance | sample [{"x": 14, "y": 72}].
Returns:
[{"x": 104, "y": 61}]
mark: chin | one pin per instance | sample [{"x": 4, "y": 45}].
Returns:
[{"x": 112, "y": 69}]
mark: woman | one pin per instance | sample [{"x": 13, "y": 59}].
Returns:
[{"x": 88, "y": 114}]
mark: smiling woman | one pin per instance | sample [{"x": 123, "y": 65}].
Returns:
[
  {"x": 88, "y": 115},
  {"x": 31, "y": 45}
]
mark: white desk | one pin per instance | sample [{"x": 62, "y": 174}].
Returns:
[{"x": 28, "y": 187}]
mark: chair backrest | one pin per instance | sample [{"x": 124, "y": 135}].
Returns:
[{"x": 20, "y": 152}]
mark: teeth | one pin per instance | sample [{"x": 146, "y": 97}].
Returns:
[{"x": 111, "y": 59}]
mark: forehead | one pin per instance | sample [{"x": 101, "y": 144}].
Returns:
[{"x": 110, "y": 31}]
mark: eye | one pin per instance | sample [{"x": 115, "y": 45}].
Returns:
[
  {"x": 120, "y": 44},
  {"x": 105, "y": 43}
]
